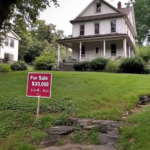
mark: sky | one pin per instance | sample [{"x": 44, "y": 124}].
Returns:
[{"x": 68, "y": 10}]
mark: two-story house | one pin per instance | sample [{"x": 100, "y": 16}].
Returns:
[
  {"x": 101, "y": 29},
  {"x": 10, "y": 45}
]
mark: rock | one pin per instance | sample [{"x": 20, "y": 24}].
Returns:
[
  {"x": 85, "y": 122},
  {"x": 51, "y": 140},
  {"x": 60, "y": 130},
  {"x": 90, "y": 127},
  {"x": 109, "y": 138}
]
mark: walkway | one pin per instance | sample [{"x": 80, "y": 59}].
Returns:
[{"x": 80, "y": 147}]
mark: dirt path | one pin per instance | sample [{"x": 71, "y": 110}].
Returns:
[{"x": 80, "y": 147}]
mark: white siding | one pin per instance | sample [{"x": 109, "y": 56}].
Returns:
[
  {"x": 131, "y": 18},
  {"x": 11, "y": 50},
  {"x": 105, "y": 27},
  {"x": 90, "y": 11}
]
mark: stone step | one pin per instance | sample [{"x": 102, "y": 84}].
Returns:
[
  {"x": 109, "y": 138},
  {"x": 66, "y": 68},
  {"x": 80, "y": 147}
]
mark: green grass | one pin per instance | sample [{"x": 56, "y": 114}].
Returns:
[
  {"x": 76, "y": 94},
  {"x": 139, "y": 130}
]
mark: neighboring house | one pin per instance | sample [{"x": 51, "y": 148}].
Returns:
[
  {"x": 102, "y": 30},
  {"x": 10, "y": 45}
]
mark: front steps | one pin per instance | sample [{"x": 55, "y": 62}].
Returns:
[{"x": 66, "y": 67}]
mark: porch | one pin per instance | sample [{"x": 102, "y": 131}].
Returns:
[{"x": 89, "y": 49}]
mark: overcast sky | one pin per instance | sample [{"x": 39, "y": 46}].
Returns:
[{"x": 68, "y": 10}]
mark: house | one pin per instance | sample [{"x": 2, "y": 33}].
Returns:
[
  {"x": 10, "y": 45},
  {"x": 102, "y": 30}
]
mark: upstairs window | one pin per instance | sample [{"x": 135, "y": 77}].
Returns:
[
  {"x": 98, "y": 7},
  {"x": 6, "y": 42},
  {"x": 81, "y": 29},
  {"x": 113, "y": 26},
  {"x": 96, "y": 28},
  {"x": 11, "y": 43}
]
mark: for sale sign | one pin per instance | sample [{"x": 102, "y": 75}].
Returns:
[{"x": 39, "y": 85}]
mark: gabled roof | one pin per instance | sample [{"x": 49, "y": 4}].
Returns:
[
  {"x": 97, "y": 17},
  {"x": 17, "y": 37},
  {"x": 101, "y": 1},
  {"x": 126, "y": 10}
]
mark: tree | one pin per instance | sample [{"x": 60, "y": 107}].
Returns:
[
  {"x": 25, "y": 11},
  {"x": 142, "y": 15}
]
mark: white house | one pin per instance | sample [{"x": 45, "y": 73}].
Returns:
[
  {"x": 10, "y": 45},
  {"x": 101, "y": 29}
]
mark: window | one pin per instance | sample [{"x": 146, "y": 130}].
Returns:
[
  {"x": 98, "y": 7},
  {"x": 81, "y": 29},
  {"x": 97, "y": 50},
  {"x": 113, "y": 50},
  {"x": 11, "y": 43},
  {"x": 113, "y": 26},
  {"x": 83, "y": 51},
  {"x": 96, "y": 28},
  {"x": 6, "y": 42}
]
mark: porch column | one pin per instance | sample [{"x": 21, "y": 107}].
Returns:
[
  {"x": 58, "y": 56},
  {"x": 66, "y": 53},
  {"x": 125, "y": 47},
  {"x": 129, "y": 52},
  {"x": 104, "y": 46},
  {"x": 80, "y": 51}
]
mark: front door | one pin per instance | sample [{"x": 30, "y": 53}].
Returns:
[{"x": 113, "y": 49}]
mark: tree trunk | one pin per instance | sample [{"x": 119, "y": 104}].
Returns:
[{"x": 5, "y": 10}]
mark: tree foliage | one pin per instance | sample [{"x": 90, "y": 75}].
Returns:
[
  {"x": 25, "y": 11},
  {"x": 142, "y": 15},
  {"x": 41, "y": 37}
]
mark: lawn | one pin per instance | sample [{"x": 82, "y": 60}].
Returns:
[{"x": 76, "y": 94}]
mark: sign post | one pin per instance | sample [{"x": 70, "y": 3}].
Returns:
[{"x": 39, "y": 85}]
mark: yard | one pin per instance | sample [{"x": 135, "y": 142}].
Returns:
[{"x": 85, "y": 95}]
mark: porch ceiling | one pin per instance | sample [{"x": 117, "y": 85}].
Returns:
[{"x": 109, "y": 37}]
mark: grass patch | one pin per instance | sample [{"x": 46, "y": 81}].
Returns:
[
  {"x": 74, "y": 94},
  {"x": 139, "y": 130},
  {"x": 38, "y": 136},
  {"x": 91, "y": 137}
]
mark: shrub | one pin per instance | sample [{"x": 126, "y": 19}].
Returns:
[
  {"x": 112, "y": 66},
  {"x": 98, "y": 64},
  {"x": 132, "y": 65},
  {"x": 4, "y": 67},
  {"x": 44, "y": 62},
  {"x": 143, "y": 52},
  {"x": 19, "y": 66},
  {"x": 83, "y": 66},
  {"x": 147, "y": 70},
  {"x": 8, "y": 57}
]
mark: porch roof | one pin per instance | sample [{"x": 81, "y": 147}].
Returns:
[{"x": 91, "y": 38}]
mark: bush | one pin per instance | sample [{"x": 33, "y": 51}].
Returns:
[
  {"x": 44, "y": 62},
  {"x": 19, "y": 66},
  {"x": 83, "y": 66},
  {"x": 147, "y": 70},
  {"x": 99, "y": 64},
  {"x": 8, "y": 57},
  {"x": 132, "y": 65},
  {"x": 4, "y": 67},
  {"x": 112, "y": 66}
]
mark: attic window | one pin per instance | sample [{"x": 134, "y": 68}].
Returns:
[{"x": 98, "y": 7}]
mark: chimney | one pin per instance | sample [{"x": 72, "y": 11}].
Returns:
[{"x": 119, "y": 5}]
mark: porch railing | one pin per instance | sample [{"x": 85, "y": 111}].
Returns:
[{"x": 91, "y": 57}]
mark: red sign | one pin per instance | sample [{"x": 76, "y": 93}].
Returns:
[{"x": 39, "y": 84}]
